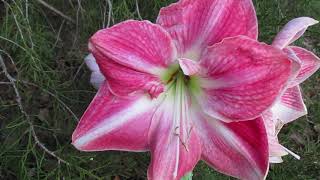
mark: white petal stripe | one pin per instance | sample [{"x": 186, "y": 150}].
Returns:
[{"x": 141, "y": 106}]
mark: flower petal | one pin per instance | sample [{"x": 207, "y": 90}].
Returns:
[
  {"x": 132, "y": 55},
  {"x": 112, "y": 123},
  {"x": 97, "y": 77},
  {"x": 290, "y": 106},
  {"x": 197, "y": 24},
  {"x": 272, "y": 126},
  {"x": 140, "y": 45},
  {"x": 275, "y": 159},
  {"x": 124, "y": 81},
  {"x": 171, "y": 158},
  {"x": 292, "y": 31},
  {"x": 238, "y": 149},
  {"x": 242, "y": 78},
  {"x": 308, "y": 61},
  {"x": 91, "y": 63},
  {"x": 188, "y": 66},
  {"x": 175, "y": 147}
]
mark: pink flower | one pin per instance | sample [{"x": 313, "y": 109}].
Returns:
[
  {"x": 290, "y": 105},
  {"x": 191, "y": 87}
]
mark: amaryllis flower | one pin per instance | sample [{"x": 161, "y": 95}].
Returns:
[
  {"x": 290, "y": 105},
  {"x": 191, "y": 87}
]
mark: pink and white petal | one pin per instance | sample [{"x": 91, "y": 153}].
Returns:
[
  {"x": 112, "y": 123},
  {"x": 276, "y": 150},
  {"x": 189, "y": 67},
  {"x": 174, "y": 143},
  {"x": 139, "y": 45},
  {"x": 309, "y": 63},
  {"x": 170, "y": 159},
  {"x": 295, "y": 68},
  {"x": 290, "y": 106},
  {"x": 292, "y": 31},
  {"x": 242, "y": 78},
  {"x": 198, "y": 24},
  {"x": 238, "y": 149},
  {"x": 124, "y": 81},
  {"x": 91, "y": 63},
  {"x": 272, "y": 126}
]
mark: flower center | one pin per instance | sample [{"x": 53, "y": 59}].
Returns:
[{"x": 175, "y": 73}]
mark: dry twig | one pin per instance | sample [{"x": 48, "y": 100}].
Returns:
[
  {"x": 55, "y": 10},
  {"x": 138, "y": 11},
  {"x": 13, "y": 81},
  {"x": 108, "y": 2}
]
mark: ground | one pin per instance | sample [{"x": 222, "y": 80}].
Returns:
[{"x": 43, "y": 51}]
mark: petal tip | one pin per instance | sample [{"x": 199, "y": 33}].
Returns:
[
  {"x": 80, "y": 142},
  {"x": 189, "y": 67},
  {"x": 311, "y": 21},
  {"x": 292, "y": 31},
  {"x": 74, "y": 141}
]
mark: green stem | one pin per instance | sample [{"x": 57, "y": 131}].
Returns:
[{"x": 188, "y": 176}]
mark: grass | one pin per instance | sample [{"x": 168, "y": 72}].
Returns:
[{"x": 48, "y": 50}]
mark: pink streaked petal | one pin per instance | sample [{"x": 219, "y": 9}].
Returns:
[
  {"x": 139, "y": 45},
  {"x": 112, "y": 123},
  {"x": 309, "y": 63},
  {"x": 188, "y": 66},
  {"x": 290, "y": 106},
  {"x": 125, "y": 81},
  {"x": 197, "y": 24},
  {"x": 174, "y": 143},
  {"x": 170, "y": 158},
  {"x": 292, "y": 31},
  {"x": 238, "y": 149},
  {"x": 241, "y": 78},
  {"x": 296, "y": 67}
]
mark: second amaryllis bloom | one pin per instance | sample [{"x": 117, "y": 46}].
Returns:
[
  {"x": 290, "y": 105},
  {"x": 191, "y": 87}
]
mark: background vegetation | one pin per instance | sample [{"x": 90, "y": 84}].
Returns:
[{"x": 43, "y": 50}]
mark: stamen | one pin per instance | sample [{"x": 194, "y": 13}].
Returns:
[{"x": 292, "y": 153}]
